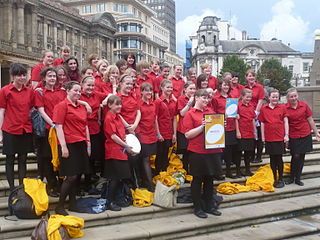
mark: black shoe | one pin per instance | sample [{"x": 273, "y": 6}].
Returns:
[
  {"x": 289, "y": 181},
  {"x": 151, "y": 188},
  {"x": 114, "y": 207},
  {"x": 279, "y": 184},
  {"x": 200, "y": 214},
  {"x": 257, "y": 160},
  {"x": 53, "y": 193},
  {"x": 248, "y": 173},
  {"x": 214, "y": 212},
  {"x": 298, "y": 182},
  {"x": 61, "y": 211},
  {"x": 229, "y": 175},
  {"x": 220, "y": 178}
]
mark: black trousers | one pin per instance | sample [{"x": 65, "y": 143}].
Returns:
[
  {"x": 162, "y": 160},
  {"x": 204, "y": 183},
  {"x": 297, "y": 163}
]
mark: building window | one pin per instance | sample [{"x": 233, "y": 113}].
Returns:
[
  {"x": 101, "y": 7},
  {"x": 133, "y": 27},
  {"x": 124, "y": 43},
  {"x": 290, "y": 68},
  {"x": 120, "y": 8},
  {"x": 133, "y": 43},
  {"x": 306, "y": 67},
  {"x": 123, "y": 27},
  {"x": 86, "y": 9}
]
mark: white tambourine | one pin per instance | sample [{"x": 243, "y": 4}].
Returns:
[{"x": 133, "y": 142}]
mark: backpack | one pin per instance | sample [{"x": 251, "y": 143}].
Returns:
[
  {"x": 21, "y": 205},
  {"x": 90, "y": 205},
  {"x": 38, "y": 124}
]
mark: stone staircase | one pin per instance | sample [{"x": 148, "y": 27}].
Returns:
[{"x": 288, "y": 213}]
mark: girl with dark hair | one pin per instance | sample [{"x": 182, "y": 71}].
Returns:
[
  {"x": 147, "y": 132},
  {"x": 131, "y": 60},
  {"x": 202, "y": 81},
  {"x": 70, "y": 119},
  {"x": 203, "y": 163},
  {"x": 16, "y": 101},
  {"x": 166, "y": 111},
  {"x": 72, "y": 67},
  {"x": 116, "y": 160},
  {"x": 185, "y": 102},
  {"x": 231, "y": 152},
  {"x": 46, "y": 98}
]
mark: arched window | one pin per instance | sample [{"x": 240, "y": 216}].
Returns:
[{"x": 203, "y": 38}]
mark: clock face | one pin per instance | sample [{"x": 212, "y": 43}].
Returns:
[{"x": 201, "y": 46}]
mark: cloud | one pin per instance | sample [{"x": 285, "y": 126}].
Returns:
[
  {"x": 190, "y": 24},
  {"x": 285, "y": 25}
]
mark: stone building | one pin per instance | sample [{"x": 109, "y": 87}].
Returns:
[
  {"x": 30, "y": 26},
  {"x": 139, "y": 31},
  {"x": 212, "y": 44}
]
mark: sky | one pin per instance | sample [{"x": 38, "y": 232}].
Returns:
[{"x": 292, "y": 21}]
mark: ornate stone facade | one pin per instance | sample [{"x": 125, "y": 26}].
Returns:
[{"x": 29, "y": 27}]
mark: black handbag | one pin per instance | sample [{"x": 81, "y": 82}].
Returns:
[{"x": 38, "y": 124}]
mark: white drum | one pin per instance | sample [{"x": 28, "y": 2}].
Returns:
[{"x": 133, "y": 142}]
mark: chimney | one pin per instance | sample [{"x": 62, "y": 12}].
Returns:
[{"x": 244, "y": 35}]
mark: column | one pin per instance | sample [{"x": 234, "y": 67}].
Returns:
[
  {"x": 20, "y": 23},
  {"x": 55, "y": 36},
  {"x": 7, "y": 18},
  {"x": 64, "y": 37},
  {"x": 45, "y": 33},
  {"x": 34, "y": 27}
]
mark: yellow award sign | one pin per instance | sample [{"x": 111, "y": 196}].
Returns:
[{"x": 214, "y": 131}]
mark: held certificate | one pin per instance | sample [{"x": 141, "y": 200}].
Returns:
[
  {"x": 231, "y": 107},
  {"x": 214, "y": 131}
]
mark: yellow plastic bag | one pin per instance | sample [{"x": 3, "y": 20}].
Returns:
[
  {"x": 142, "y": 198},
  {"x": 72, "y": 224}
]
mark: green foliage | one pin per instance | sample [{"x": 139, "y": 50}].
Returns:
[
  {"x": 278, "y": 75},
  {"x": 232, "y": 63}
]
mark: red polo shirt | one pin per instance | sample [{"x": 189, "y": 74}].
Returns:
[
  {"x": 247, "y": 114},
  {"x": 182, "y": 102},
  {"x": 219, "y": 106},
  {"x": 298, "y": 124},
  {"x": 236, "y": 91},
  {"x": 152, "y": 75},
  {"x": 157, "y": 83},
  {"x": 147, "y": 131},
  {"x": 114, "y": 125},
  {"x": 48, "y": 100},
  {"x": 178, "y": 86},
  {"x": 136, "y": 92},
  {"x": 193, "y": 119},
  {"x": 99, "y": 85},
  {"x": 129, "y": 107},
  {"x": 257, "y": 93},
  {"x": 273, "y": 122},
  {"x": 146, "y": 79},
  {"x": 35, "y": 72},
  {"x": 165, "y": 112},
  {"x": 17, "y": 105},
  {"x": 94, "y": 100},
  {"x": 58, "y": 62},
  {"x": 213, "y": 82},
  {"x": 73, "y": 119}
]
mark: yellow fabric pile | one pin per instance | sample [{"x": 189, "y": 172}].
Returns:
[
  {"x": 142, "y": 198},
  {"x": 72, "y": 224},
  {"x": 53, "y": 141},
  {"x": 175, "y": 165},
  {"x": 262, "y": 180},
  {"x": 36, "y": 189}
]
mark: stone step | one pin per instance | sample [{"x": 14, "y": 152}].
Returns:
[
  {"x": 186, "y": 224},
  {"x": 315, "y": 236},
  {"x": 283, "y": 229},
  {"x": 311, "y": 169},
  {"x": 31, "y": 170},
  {"x": 158, "y": 223}
]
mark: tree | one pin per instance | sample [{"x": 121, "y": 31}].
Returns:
[
  {"x": 232, "y": 63},
  {"x": 278, "y": 75}
]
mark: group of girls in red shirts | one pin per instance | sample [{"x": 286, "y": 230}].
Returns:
[{"x": 93, "y": 112}]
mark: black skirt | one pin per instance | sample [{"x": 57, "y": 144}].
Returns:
[
  {"x": 116, "y": 169},
  {"x": 275, "y": 148},
  {"x": 300, "y": 145},
  {"x": 148, "y": 149},
  {"x": 182, "y": 142},
  {"x": 97, "y": 151},
  {"x": 231, "y": 138},
  {"x": 77, "y": 162},
  {"x": 205, "y": 164},
  {"x": 247, "y": 144},
  {"x": 21, "y": 144},
  {"x": 43, "y": 146}
]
